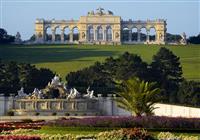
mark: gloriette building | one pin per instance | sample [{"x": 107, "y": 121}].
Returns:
[{"x": 100, "y": 27}]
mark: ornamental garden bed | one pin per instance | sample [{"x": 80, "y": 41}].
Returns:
[{"x": 100, "y": 128}]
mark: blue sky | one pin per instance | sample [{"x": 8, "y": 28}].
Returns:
[{"x": 20, "y": 15}]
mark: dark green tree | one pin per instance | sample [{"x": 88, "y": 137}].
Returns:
[
  {"x": 167, "y": 72},
  {"x": 31, "y": 77},
  {"x": 194, "y": 39},
  {"x": 5, "y": 38},
  {"x": 11, "y": 77},
  {"x": 94, "y": 76},
  {"x": 189, "y": 93},
  {"x": 126, "y": 66}
]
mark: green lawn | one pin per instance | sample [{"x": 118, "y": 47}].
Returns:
[{"x": 66, "y": 58}]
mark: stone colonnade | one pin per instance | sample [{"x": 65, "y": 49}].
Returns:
[
  {"x": 158, "y": 25},
  {"x": 101, "y": 30},
  {"x": 139, "y": 36},
  {"x": 62, "y": 34}
]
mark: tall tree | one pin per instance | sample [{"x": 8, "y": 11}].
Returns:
[
  {"x": 11, "y": 77},
  {"x": 5, "y": 38},
  {"x": 167, "y": 72},
  {"x": 94, "y": 76},
  {"x": 126, "y": 66},
  {"x": 138, "y": 96},
  {"x": 189, "y": 93}
]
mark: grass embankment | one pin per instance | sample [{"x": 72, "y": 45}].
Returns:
[{"x": 63, "y": 59}]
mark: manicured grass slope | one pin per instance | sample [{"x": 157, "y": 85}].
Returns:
[{"x": 66, "y": 58}]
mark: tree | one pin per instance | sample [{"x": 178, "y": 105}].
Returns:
[
  {"x": 194, "y": 39},
  {"x": 167, "y": 72},
  {"x": 31, "y": 77},
  {"x": 13, "y": 76},
  {"x": 138, "y": 96},
  {"x": 101, "y": 77},
  {"x": 94, "y": 76},
  {"x": 189, "y": 93},
  {"x": 126, "y": 66},
  {"x": 5, "y": 38}
]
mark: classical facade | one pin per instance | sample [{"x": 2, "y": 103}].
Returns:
[{"x": 100, "y": 27}]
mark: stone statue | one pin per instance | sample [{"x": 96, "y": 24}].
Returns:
[
  {"x": 90, "y": 94},
  {"x": 83, "y": 34},
  {"x": 100, "y": 11},
  {"x": 183, "y": 40},
  {"x": 18, "y": 38},
  {"x": 37, "y": 94},
  {"x": 117, "y": 35},
  {"x": 73, "y": 94},
  {"x": 21, "y": 93},
  {"x": 56, "y": 81},
  {"x": 110, "y": 12}
]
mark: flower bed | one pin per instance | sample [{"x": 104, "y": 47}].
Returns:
[
  {"x": 5, "y": 126},
  {"x": 17, "y": 137},
  {"x": 128, "y": 134},
  {"x": 151, "y": 122}
]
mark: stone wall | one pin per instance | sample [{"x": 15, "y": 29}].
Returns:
[{"x": 105, "y": 106}]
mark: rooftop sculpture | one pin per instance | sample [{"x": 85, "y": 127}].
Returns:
[{"x": 100, "y": 11}]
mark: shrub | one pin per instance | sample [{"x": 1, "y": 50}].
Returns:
[
  {"x": 27, "y": 120},
  {"x": 67, "y": 114},
  {"x": 37, "y": 114},
  {"x": 54, "y": 114},
  {"x": 125, "y": 134},
  {"x": 148, "y": 122},
  {"x": 168, "y": 135},
  {"x": 10, "y": 113}
]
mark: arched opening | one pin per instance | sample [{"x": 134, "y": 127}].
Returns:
[
  {"x": 48, "y": 34},
  {"x": 75, "y": 34},
  {"x": 125, "y": 34},
  {"x": 90, "y": 33},
  {"x": 143, "y": 34},
  {"x": 99, "y": 33},
  {"x": 109, "y": 34},
  {"x": 66, "y": 33},
  {"x": 57, "y": 34},
  {"x": 152, "y": 34},
  {"x": 134, "y": 36}
]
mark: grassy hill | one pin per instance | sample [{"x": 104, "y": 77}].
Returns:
[{"x": 66, "y": 58}]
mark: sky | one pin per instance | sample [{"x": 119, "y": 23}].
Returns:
[{"x": 20, "y": 15}]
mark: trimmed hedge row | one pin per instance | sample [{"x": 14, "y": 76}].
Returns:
[{"x": 148, "y": 122}]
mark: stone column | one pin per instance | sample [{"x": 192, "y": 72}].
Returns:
[
  {"x": 138, "y": 37},
  {"x": 95, "y": 35},
  {"x": 130, "y": 35},
  {"x": 147, "y": 36},
  {"x": 113, "y": 37},
  {"x": 62, "y": 36},
  {"x": 53, "y": 36},
  {"x": 71, "y": 36},
  {"x": 105, "y": 36},
  {"x": 36, "y": 105}
]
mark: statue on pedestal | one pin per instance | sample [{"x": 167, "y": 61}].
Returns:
[
  {"x": 183, "y": 40},
  {"x": 90, "y": 94},
  {"x": 18, "y": 39},
  {"x": 21, "y": 93}
]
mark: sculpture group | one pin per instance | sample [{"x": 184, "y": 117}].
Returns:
[{"x": 55, "y": 83}]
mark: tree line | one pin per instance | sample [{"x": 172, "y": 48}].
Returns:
[
  {"x": 165, "y": 70},
  {"x": 14, "y": 75}
]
